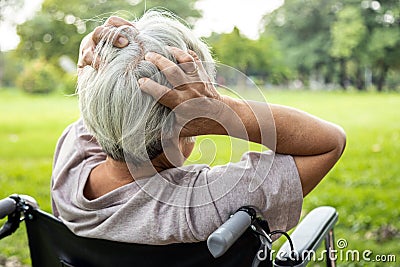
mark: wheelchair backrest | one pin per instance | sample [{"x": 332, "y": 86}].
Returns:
[{"x": 53, "y": 244}]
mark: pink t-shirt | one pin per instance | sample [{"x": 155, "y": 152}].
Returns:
[{"x": 183, "y": 204}]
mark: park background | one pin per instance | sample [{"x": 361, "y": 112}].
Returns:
[{"x": 339, "y": 60}]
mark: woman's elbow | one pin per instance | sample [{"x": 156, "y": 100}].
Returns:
[
  {"x": 312, "y": 169},
  {"x": 341, "y": 140}
]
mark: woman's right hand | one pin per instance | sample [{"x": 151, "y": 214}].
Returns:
[{"x": 198, "y": 107}]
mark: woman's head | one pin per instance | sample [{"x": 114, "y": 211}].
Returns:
[{"x": 126, "y": 122}]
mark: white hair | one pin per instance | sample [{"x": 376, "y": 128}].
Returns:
[{"x": 126, "y": 122}]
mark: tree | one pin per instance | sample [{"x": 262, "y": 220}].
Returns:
[
  {"x": 347, "y": 32},
  {"x": 38, "y": 77},
  {"x": 8, "y": 8},
  {"x": 59, "y": 27},
  {"x": 232, "y": 49},
  {"x": 10, "y": 67},
  {"x": 258, "y": 58},
  {"x": 383, "y": 23},
  {"x": 339, "y": 41},
  {"x": 302, "y": 29}
]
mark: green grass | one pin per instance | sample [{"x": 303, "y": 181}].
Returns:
[
  {"x": 364, "y": 186},
  {"x": 29, "y": 129}
]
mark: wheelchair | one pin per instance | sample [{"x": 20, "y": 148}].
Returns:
[{"x": 243, "y": 240}]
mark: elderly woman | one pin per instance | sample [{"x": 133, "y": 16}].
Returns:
[{"x": 145, "y": 89}]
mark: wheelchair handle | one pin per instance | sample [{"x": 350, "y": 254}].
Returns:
[
  {"x": 224, "y": 237},
  {"x": 7, "y": 207}
]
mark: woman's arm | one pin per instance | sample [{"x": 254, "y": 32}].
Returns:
[{"x": 315, "y": 144}]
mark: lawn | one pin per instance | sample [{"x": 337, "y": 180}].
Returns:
[{"x": 364, "y": 186}]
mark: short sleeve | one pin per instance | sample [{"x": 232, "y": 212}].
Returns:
[
  {"x": 75, "y": 149},
  {"x": 266, "y": 180}
]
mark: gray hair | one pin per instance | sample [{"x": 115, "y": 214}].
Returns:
[{"x": 126, "y": 122}]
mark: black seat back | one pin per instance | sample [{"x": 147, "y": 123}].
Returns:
[{"x": 53, "y": 244}]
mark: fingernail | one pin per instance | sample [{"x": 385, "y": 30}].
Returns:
[
  {"x": 148, "y": 55},
  {"x": 141, "y": 81},
  {"x": 122, "y": 41}
]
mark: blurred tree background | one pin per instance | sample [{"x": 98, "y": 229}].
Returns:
[
  {"x": 49, "y": 42},
  {"x": 349, "y": 42},
  {"x": 305, "y": 43},
  {"x": 341, "y": 48}
]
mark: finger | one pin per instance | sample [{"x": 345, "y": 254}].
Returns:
[
  {"x": 117, "y": 22},
  {"x": 196, "y": 59},
  {"x": 162, "y": 94},
  {"x": 180, "y": 55},
  {"x": 172, "y": 72},
  {"x": 99, "y": 33},
  {"x": 87, "y": 57},
  {"x": 186, "y": 60},
  {"x": 86, "y": 44},
  {"x": 194, "y": 55},
  {"x": 120, "y": 41}
]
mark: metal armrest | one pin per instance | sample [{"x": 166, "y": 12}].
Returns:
[{"x": 307, "y": 237}]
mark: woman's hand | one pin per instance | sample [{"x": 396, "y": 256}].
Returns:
[
  {"x": 89, "y": 42},
  {"x": 197, "y": 105},
  {"x": 190, "y": 80},
  {"x": 315, "y": 144}
]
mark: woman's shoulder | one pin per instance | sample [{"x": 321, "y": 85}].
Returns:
[
  {"x": 178, "y": 174},
  {"x": 76, "y": 149}
]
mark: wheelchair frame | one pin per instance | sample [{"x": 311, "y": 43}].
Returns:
[{"x": 52, "y": 244}]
